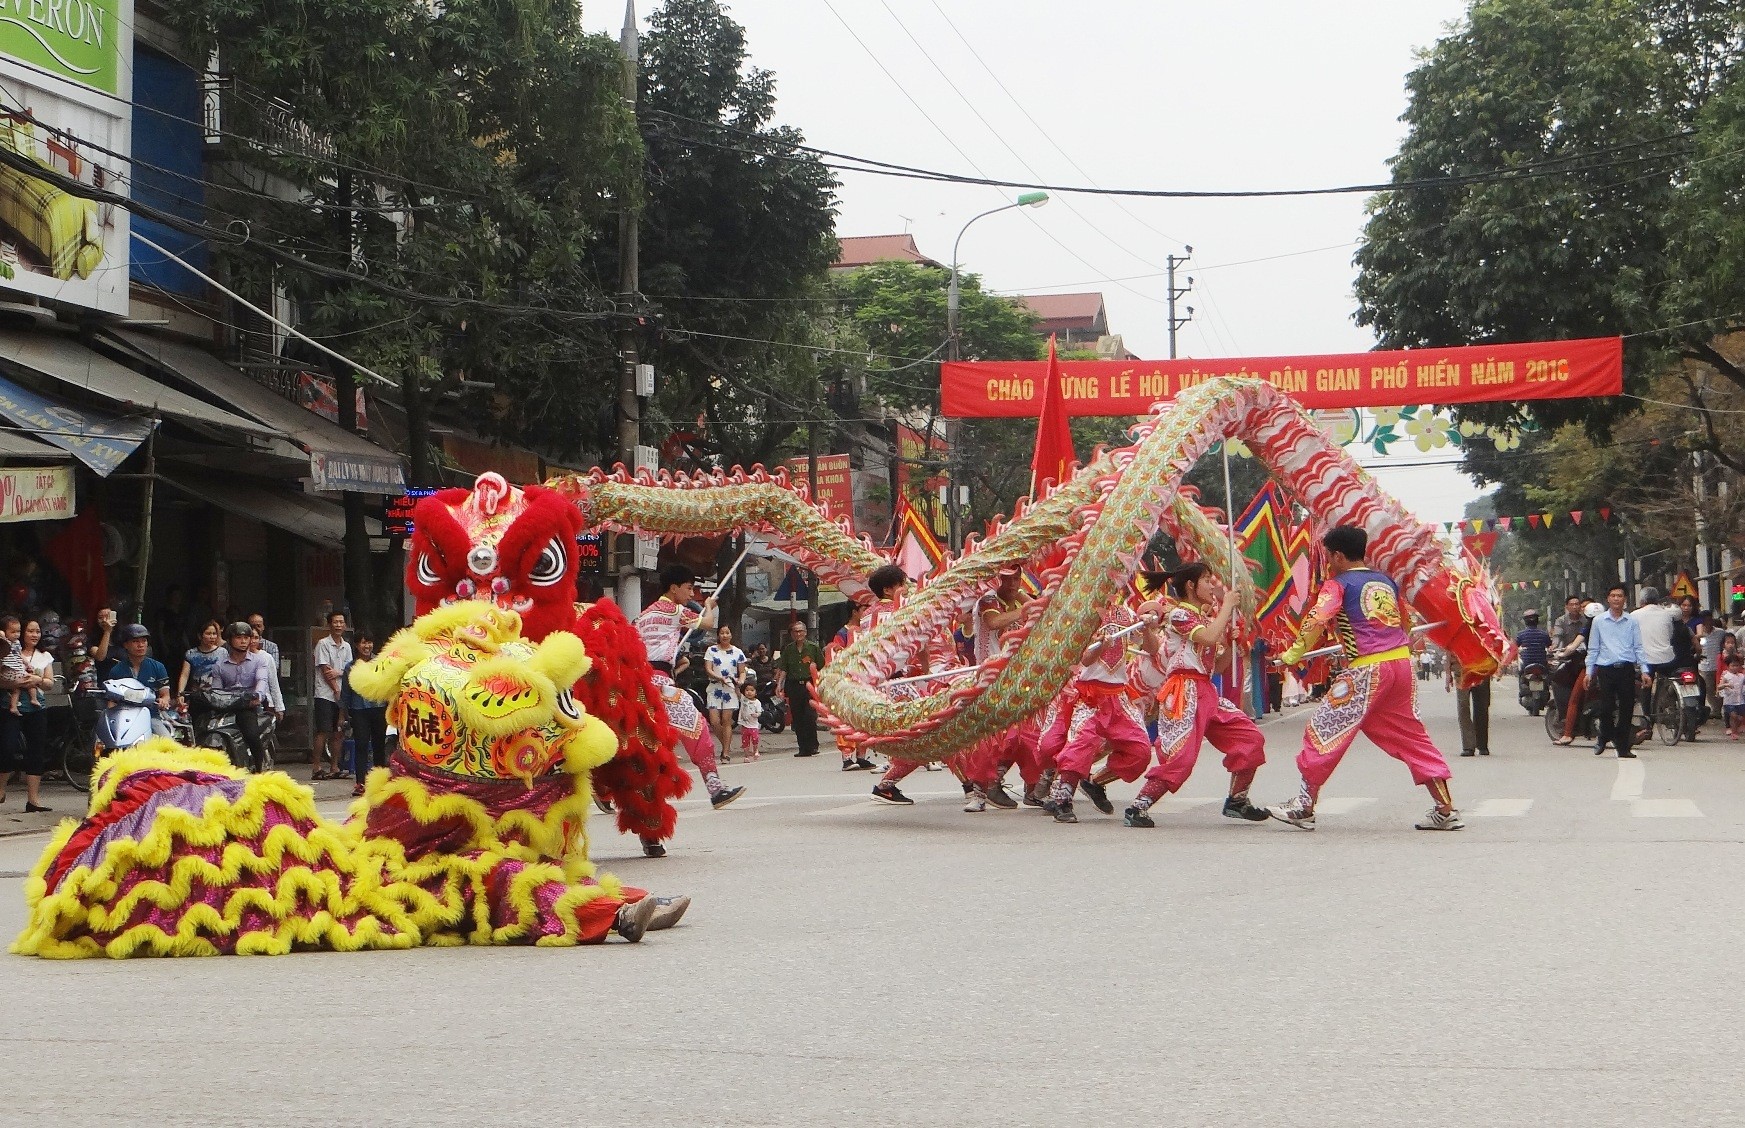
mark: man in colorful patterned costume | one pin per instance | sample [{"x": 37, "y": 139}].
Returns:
[
  {"x": 1376, "y": 695},
  {"x": 664, "y": 626}
]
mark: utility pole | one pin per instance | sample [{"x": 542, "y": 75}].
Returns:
[
  {"x": 1178, "y": 292},
  {"x": 629, "y": 283}
]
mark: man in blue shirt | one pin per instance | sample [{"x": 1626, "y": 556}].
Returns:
[
  {"x": 136, "y": 663},
  {"x": 1534, "y": 646},
  {"x": 1615, "y": 665}
]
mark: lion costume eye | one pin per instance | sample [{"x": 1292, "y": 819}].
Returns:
[
  {"x": 426, "y": 573},
  {"x": 550, "y": 566}
]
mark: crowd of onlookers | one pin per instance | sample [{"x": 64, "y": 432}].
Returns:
[{"x": 43, "y": 660}]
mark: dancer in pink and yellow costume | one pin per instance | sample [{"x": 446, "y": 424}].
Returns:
[
  {"x": 664, "y": 626},
  {"x": 887, "y": 584},
  {"x": 1190, "y": 710},
  {"x": 1103, "y": 712},
  {"x": 1376, "y": 695}
]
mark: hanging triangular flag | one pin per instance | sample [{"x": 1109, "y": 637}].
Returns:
[
  {"x": 1575, "y": 515},
  {"x": 1547, "y": 517},
  {"x": 1605, "y": 515},
  {"x": 1533, "y": 520},
  {"x": 1475, "y": 524},
  {"x": 1505, "y": 522},
  {"x": 1538, "y": 583}
]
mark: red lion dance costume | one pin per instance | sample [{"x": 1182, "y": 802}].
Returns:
[{"x": 516, "y": 547}]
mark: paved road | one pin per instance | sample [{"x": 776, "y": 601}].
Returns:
[{"x": 1570, "y": 959}]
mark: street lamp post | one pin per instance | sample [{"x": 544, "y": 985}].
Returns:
[{"x": 954, "y": 351}]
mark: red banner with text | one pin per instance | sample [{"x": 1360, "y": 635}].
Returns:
[{"x": 1467, "y": 374}]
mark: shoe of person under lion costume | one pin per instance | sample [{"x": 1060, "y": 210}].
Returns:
[
  {"x": 474, "y": 833},
  {"x": 515, "y": 548}
]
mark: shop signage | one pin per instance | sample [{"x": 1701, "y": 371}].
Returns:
[
  {"x": 397, "y": 519},
  {"x": 36, "y": 493},
  {"x": 356, "y": 473},
  {"x": 835, "y": 482},
  {"x": 100, "y": 441},
  {"x": 1470, "y": 374},
  {"x": 590, "y": 552},
  {"x": 66, "y": 94}
]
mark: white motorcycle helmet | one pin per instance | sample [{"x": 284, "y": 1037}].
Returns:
[{"x": 1592, "y": 610}]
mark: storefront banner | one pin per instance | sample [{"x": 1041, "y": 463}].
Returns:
[
  {"x": 66, "y": 90},
  {"x": 100, "y": 441},
  {"x": 835, "y": 482},
  {"x": 1468, "y": 374},
  {"x": 36, "y": 493},
  {"x": 356, "y": 473}
]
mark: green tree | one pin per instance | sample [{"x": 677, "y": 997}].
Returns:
[{"x": 737, "y": 236}]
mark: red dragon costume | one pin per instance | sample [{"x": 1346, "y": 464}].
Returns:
[{"x": 516, "y": 547}]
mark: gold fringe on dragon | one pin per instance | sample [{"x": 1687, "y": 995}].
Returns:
[{"x": 1094, "y": 528}]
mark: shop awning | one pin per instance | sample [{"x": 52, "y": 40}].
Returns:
[
  {"x": 320, "y": 522},
  {"x": 99, "y": 440},
  {"x": 338, "y": 459},
  {"x": 15, "y": 445},
  {"x": 69, "y": 363}
]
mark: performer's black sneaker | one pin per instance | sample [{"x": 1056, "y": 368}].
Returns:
[
  {"x": 721, "y": 798},
  {"x": 667, "y": 912},
  {"x": 633, "y": 920},
  {"x": 1063, "y": 813},
  {"x": 1098, "y": 795},
  {"x": 1031, "y": 799},
  {"x": 998, "y": 796},
  {"x": 1238, "y": 807},
  {"x": 1136, "y": 817},
  {"x": 653, "y": 848},
  {"x": 848, "y": 766},
  {"x": 888, "y": 793},
  {"x": 865, "y": 764}
]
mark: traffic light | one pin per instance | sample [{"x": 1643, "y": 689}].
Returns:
[{"x": 1739, "y": 594}]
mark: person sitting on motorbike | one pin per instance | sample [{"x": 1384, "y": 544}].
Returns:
[
  {"x": 1534, "y": 646},
  {"x": 242, "y": 669},
  {"x": 136, "y": 662}
]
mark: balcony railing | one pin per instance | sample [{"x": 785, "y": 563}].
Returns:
[{"x": 238, "y": 111}]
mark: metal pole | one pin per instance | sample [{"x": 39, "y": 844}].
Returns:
[
  {"x": 629, "y": 283},
  {"x": 1176, "y": 292},
  {"x": 151, "y": 478}
]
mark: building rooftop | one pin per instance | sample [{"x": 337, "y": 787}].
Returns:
[
  {"x": 864, "y": 250},
  {"x": 1060, "y": 312}
]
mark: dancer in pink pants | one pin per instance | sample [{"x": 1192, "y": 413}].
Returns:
[
  {"x": 663, "y": 626},
  {"x": 1191, "y": 711},
  {"x": 1375, "y": 696},
  {"x": 1103, "y": 714},
  {"x": 995, "y": 615},
  {"x": 888, "y": 583}
]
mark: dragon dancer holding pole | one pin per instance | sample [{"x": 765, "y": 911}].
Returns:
[{"x": 1376, "y": 695}]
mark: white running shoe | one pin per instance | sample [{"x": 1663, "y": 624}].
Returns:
[
  {"x": 1436, "y": 820},
  {"x": 975, "y": 802},
  {"x": 1297, "y": 812}
]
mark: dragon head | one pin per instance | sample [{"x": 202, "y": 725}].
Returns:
[
  {"x": 511, "y": 547},
  {"x": 1460, "y": 598}
]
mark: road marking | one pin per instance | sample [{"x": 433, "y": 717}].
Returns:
[
  {"x": 1664, "y": 809},
  {"x": 1628, "y": 785},
  {"x": 1500, "y": 809},
  {"x": 1340, "y": 806},
  {"x": 1188, "y": 802}
]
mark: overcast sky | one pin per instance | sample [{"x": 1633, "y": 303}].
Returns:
[{"x": 1120, "y": 93}]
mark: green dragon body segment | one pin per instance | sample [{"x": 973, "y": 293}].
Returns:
[{"x": 1093, "y": 529}]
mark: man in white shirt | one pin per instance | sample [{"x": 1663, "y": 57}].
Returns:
[
  {"x": 1655, "y": 620},
  {"x": 332, "y": 656}
]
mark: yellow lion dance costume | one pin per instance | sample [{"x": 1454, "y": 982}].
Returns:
[{"x": 474, "y": 834}]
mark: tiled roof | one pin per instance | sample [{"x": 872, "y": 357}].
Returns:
[{"x": 864, "y": 250}]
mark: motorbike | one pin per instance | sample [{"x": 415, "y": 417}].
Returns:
[
  {"x": 775, "y": 711},
  {"x": 1587, "y": 723},
  {"x": 1535, "y": 688},
  {"x": 215, "y": 726}
]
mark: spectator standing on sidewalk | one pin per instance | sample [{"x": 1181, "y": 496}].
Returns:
[
  {"x": 369, "y": 721},
  {"x": 797, "y": 667},
  {"x": 332, "y": 658}
]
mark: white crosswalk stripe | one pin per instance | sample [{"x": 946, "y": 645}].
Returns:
[
  {"x": 1499, "y": 809},
  {"x": 1664, "y": 809}
]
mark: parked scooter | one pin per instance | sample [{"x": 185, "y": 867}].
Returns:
[
  {"x": 775, "y": 711},
  {"x": 1535, "y": 688}
]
